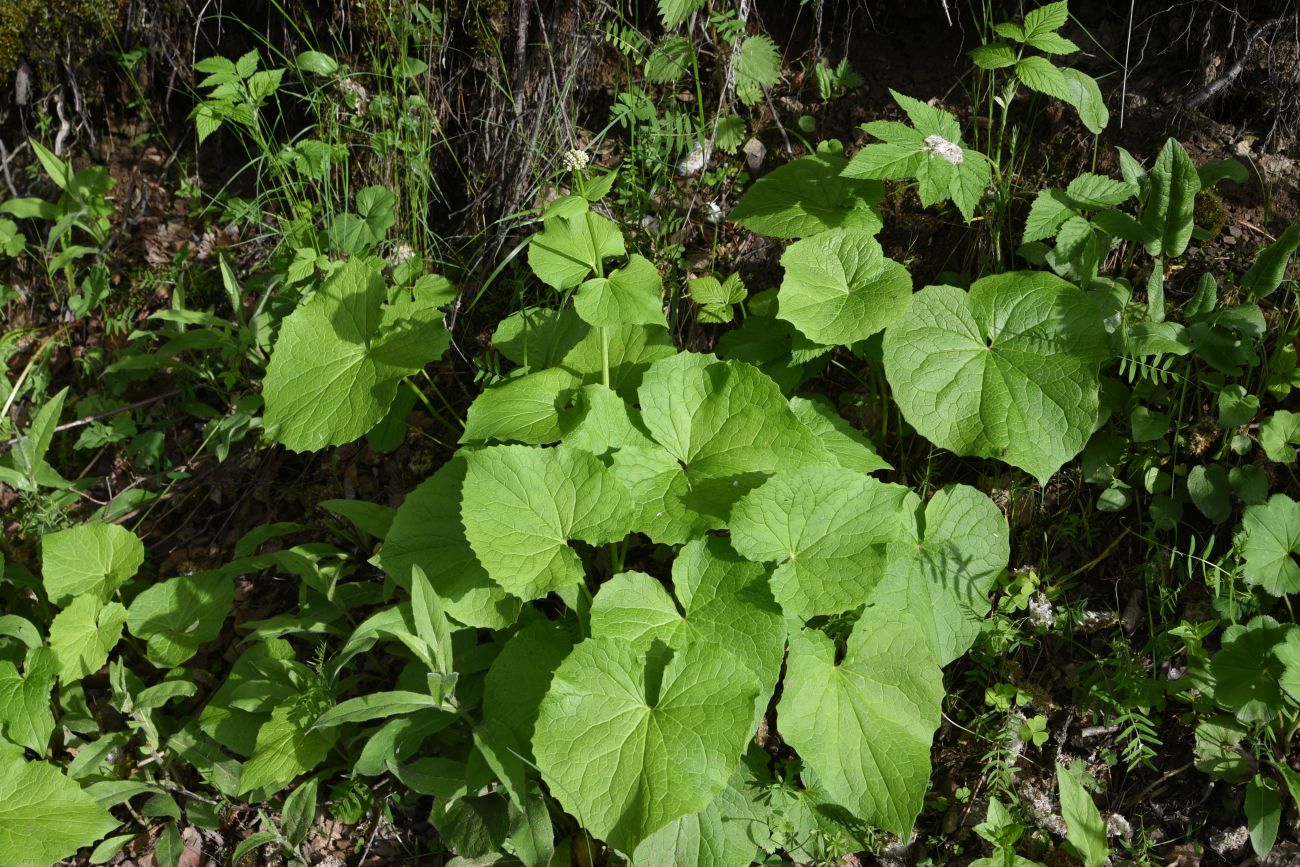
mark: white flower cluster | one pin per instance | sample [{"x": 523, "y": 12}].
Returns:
[
  {"x": 937, "y": 144},
  {"x": 575, "y": 160}
]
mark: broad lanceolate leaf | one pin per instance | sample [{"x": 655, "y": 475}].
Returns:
[
  {"x": 864, "y": 726},
  {"x": 829, "y": 530},
  {"x": 522, "y": 505},
  {"x": 44, "y": 816},
  {"x": 1007, "y": 371},
  {"x": 940, "y": 577},
  {"x": 807, "y": 196},
  {"x": 427, "y": 532},
  {"x": 570, "y": 249},
  {"x": 1266, "y": 274},
  {"x": 721, "y": 427},
  {"x": 719, "y": 598},
  {"x": 89, "y": 559},
  {"x": 1171, "y": 199},
  {"x": 341, "y": 355},
  {"x": 839, "y": 288},
  {"x": 1272, "y": 545},
  {"x": 83, "y": 634},
  {"x": 629, "y": 740},
  {"x": 1085, "y": 830},
  {"x": 178, "y": 616},
  {"x": 1263, "y": 813}
]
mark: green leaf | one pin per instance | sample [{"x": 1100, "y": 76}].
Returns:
[
  {"x": 721, "y": 835},
  {"x": 1266, "y": 274},
  {"x": 1052, "y": 43},
  {"x": 375, "y": 205},
  {"x": 599, "y": 421},
  {"x": 1263, "y": 813},
  {"x": 287, "y": 745},
  {"x": 864, "y": 726},
  {"x": 839, "y": 288},
  {"x": 998, "y": 55},
  {"x": 1209, "y": 489},
  {"x": 720, "y": 598},
  {"x": 524, "y": 409},
  {"x": 1246, "y": 670},
  {"x": 1040, "y": 74},
  {"x": 427, "y": 532},
  {"x": 1210, "y": 173},
  {"x": 1272, "y": 543},
  {"x": 570, "y": 249},
  {"x": 1085, "y": 96},
  {"x": 317, "y": 62},
  {"x": 340, "y": 357},
  {"x": 828, "y": 530},
  {"x": 178, "y": 616},
  {"x": 1007, "y": 371},
  {"x": 807, "y": 196},
  {"x": 523, "y": 505},
  {"x": 941, "y": 573},
  {"x": 1098, "y": 191},
  {"x": 82, "y": 635},
  {"x": 721, "y": 427},
  {"x": 25, "y": 707},
  {"x": 89, "y": 560},
  {"x": 757, "y": 67},
  {"x": 1085, "y": 830},
  {"x": 1051, "y": 208},
  {"x": 44, "y": 816},
  {"x": 1278, "y": 434},
  {"x": 888, "y": 161},
  {"x": 1288, "y": 653},
  {"x": 674, "y": 12},
  {"x": 1236, "y": 407},
  {"x": 1046, "y": 19},
  {"x": 851, "y": 448},
  {"x": 632, "y": 295},
  {"x": 521, "y": 675},
  {"x": 376, "y": 705},
  {"x": 716, "y": 297},
  {"x": 671, "y": 58},
  {"x": 619, "y": 728},
  {"x": 299, "y": 813},
  {"x": 1171, "y": 201},
  {"x": 1218, "y": 751}
]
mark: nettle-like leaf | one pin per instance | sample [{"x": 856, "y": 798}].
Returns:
[
  {"x": 719, "y": 597},
  {"x": 44, "y": 816},
  {"x": 674, "y": 12},
  {"x": 719, "y": 429},
  {"x": 828, "y": 528},
  {"x": 757, "y": 67},
  {"x": 569, "y": 249},
  {"x": 1272, "y": 544},
  {"x": 1008, "y": 370},
  {"x": 178, "y": 616},
  {"x": 521, "y": 506},
  {"x": 941, "y": 575},
  {"x": 633, "y": 739},
  {"x": 864, "y": 725},
  {"x": 716, "y": 297},
  {"x": 89, "y": 559},
  {"x": 931, "y": 151},
  {"x": 807, "y": 196},
  {"x": 341, "y": 355},
  {"x": 427, "y": 533},
  {"x": 840, "y": 288}
]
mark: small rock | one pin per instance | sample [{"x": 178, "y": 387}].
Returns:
[
  {"x": 755, "y": 153},
  {"x": 1230, "y": 842}
]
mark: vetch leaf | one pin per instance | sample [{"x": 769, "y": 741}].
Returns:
[
  {"x": 1008, "y": 370},
  {"x": 522, "y": 505},
  {"x": 340, "y": 357},
  {"x": 631, "y": 741},
  {"x": 864, "y": 726},
  {"x": 828, "y": 528},
  {"x": 89, "y": 559},
  {"x": 840, "y": 288}
]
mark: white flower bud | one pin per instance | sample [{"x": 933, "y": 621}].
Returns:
[{"x": 940, "y": 146}]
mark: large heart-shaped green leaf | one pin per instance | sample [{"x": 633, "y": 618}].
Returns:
[
  {"x": 1008, "y": 370},
  {"x": 807, "y": 196}
]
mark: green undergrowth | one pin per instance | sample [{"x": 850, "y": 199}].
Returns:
[{"x": 660, "y": 600}]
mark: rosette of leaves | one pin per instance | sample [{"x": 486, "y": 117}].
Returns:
[
  {"x": 930, "y": 151},
  {"x": 1035, "y": 71}
]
